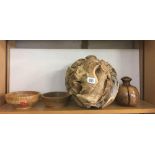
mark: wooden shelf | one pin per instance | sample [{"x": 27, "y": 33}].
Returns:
[{"x": 72, "y": 108}]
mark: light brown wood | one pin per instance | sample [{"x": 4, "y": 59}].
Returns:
[
  {"x": 10, "y": 44},
  {"x": 22, "y": 99},
  {"x": 147, "y": 64},
  {"x": 99, "y": 94},
  {"x": 2, "y": 67},
  {"x": 72, "y": 108},
  {"x": 149, "y": 71}
]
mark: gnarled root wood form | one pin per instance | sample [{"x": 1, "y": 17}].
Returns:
[{"x": 99, "y": 93}]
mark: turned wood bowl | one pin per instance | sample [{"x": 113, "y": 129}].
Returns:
[
  {"x": 22, "y": 99},
  {"x": 55, "y": 99}
]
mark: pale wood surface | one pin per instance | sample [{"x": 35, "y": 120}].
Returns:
[
  {"x": 72, "y": 108},
  {"x": 149, "y": 71},
  {"x": 2, "y": 67}
]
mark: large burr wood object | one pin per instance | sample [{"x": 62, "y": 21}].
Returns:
[{"x": 92, "y": 82}]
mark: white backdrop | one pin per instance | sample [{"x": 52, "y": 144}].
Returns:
[{"x": 44, "y": 69}]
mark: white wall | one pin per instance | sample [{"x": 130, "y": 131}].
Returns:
[{"x": 44, "y": 69}]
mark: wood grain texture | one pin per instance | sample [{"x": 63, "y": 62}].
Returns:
[
  {"x": 2, "y": 67},
  {"x": 72, "y": 108},
  {"x": 9, "y": 44},
  {"x": 149, "y": 71}
]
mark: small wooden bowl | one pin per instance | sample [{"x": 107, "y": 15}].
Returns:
[
  {"x": 55, "y": 99},
  {"x": 22, "y": 99}
]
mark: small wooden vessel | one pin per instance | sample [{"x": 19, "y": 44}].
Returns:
[
  {"x": 22, "y": 99},
  {"x": 55, "y": 99}
]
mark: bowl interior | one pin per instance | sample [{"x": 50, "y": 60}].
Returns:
[{"x": 55, "y": 94}]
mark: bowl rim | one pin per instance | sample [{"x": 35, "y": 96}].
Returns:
[
  {"x": 16, "y": 93},
  {"x": 65, "y": 95}
]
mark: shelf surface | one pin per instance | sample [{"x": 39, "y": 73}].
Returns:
[{"x": 72, "y": 108}]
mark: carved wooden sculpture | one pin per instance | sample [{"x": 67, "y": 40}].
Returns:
[{"x": 92, "y": 82}]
